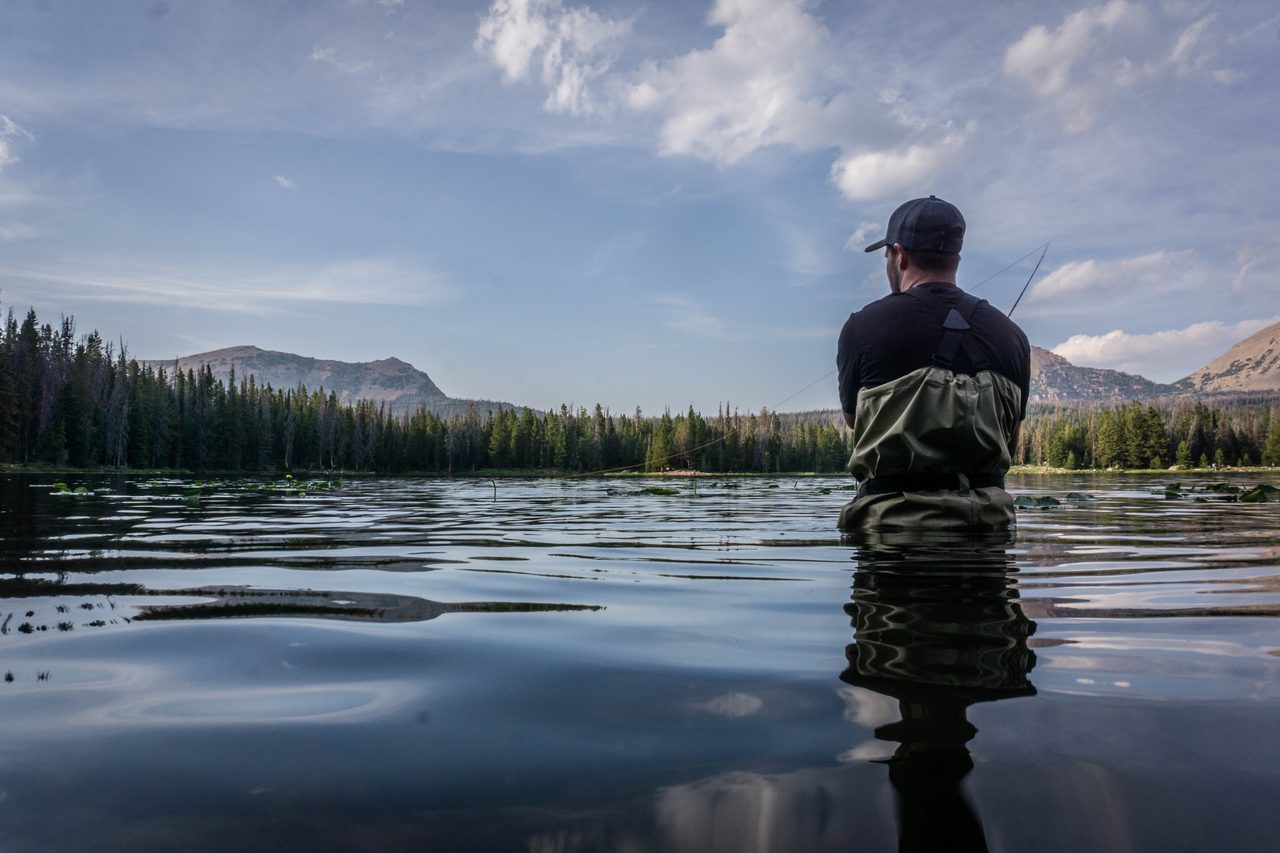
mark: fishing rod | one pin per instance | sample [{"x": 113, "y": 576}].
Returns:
[
  {"x": 1043, "y": 249},
  {"x": 1028, "y": 284}
]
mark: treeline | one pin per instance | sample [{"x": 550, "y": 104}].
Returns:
[
  {"x": 82, "y": 402},
  {"x": 1232, "y": 432}
]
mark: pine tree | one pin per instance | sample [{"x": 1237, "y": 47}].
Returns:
[
  {"x": 1183, "y": 456},
  {"x": 1271, "y": 451}
]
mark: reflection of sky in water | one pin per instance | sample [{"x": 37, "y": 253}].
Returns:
[{"x": 702, "y": 707}]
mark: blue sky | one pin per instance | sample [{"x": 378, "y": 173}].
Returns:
[{"x": 655, "y": 204}]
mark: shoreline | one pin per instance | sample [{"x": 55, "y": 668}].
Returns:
[{"x": 545, "y": 474}]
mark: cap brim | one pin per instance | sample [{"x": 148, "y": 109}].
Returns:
[{"x": 879, "y": 244}]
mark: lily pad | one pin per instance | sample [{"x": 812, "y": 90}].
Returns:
[
  {"x": 1260, "y": 494},
  {"x": 1037, "y": 502}
]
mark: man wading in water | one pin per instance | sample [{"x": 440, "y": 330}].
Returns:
[{"x": 934, "y": 384}]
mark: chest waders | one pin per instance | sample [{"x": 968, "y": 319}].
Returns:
[{"x": 931, "y": 448}]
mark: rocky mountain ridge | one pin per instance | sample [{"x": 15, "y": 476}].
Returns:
[
  {"x": 1250, "y": 365},
  {"x": 1056, "y": 380},
  {"x": 389, "y": 380}
]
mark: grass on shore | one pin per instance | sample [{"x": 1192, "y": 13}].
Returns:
[
  {"x": 1230, "y": 469},
  {"x": 545, "y": 473}
]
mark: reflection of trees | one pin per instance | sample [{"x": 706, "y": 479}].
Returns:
[{"x": 938, "y": 627}]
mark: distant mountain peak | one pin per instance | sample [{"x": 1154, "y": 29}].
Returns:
[
  {"x": 1252, "y": 364},
  {"x": 1054, "y": 379},
  {"x": 390, "y": 380}
]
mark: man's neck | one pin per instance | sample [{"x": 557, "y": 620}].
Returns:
[{"x": 909, "y": 281}]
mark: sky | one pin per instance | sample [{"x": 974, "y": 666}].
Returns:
[{"x": 657, "y": 203}]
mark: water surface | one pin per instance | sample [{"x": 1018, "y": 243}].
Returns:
[{"x": 578, "y": 665}]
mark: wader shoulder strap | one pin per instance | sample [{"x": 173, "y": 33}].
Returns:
[{"x": 955, "y": 323}]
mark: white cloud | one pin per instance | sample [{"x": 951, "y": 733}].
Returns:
[
  {"x": 685, "y": 314},
  {"x": 1262, "y": 28},
  {"x": 17, "y": 232},
  {"x": 1256, "y": 265},
  {"x": 1103, "y": 49},
  {"x": 571, "y": 47},
  {"x": 1164, "y": 355},
  {"x": 9, "y": 131},
  {"x": 376, "y": 281},
  {"x": 753, "y": 87},
  {"x": 285, "y": 183},
  {"x": 808, "y": 255},
  {"x": 875, "y": 174},
  {"x": 858, "y": 241},
  {"x": 768, "y": 80},
  {"x": 1076, "y": 279},
  {"x": 330, "y": 56},
  {"x": 1045, "y": 60}
]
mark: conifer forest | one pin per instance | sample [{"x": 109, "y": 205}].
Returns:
[{"x": 82, "y": 402}]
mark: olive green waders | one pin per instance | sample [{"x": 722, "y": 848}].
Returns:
[{"x": 930, "y": 449}]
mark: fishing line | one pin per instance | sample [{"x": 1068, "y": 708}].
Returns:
[
  {"x": 1044, "y": 246},
  {"x": 1043, "y": 249}
]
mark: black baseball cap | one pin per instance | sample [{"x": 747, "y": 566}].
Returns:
[{"x": 925, "y": 224}]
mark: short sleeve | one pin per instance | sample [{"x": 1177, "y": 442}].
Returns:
[{"x": 848, "y": 367}]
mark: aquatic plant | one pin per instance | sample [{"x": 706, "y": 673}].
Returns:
[
  {"x": 1035, "y": 502},
  {"x": 1259, "y": 493}
]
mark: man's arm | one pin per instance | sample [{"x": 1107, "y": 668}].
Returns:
[
  {"x": 847, "y": 369},
  {"x": 1024, "y": 387}
]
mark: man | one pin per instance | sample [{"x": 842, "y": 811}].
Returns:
[{"x": 934, "y": 384}]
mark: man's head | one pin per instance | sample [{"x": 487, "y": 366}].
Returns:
[{"x": 924, "y": 237}]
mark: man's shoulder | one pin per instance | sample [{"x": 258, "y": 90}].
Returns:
[
  {"x": 995, "y": 319},
  {"x": 893, "y": 304}
]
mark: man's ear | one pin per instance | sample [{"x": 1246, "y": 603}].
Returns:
[{"x": 901, "y": 258}]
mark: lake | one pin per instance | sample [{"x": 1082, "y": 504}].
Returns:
[{"x": 571, "y": 665}]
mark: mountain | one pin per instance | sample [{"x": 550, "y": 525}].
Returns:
[
  {"x": 399, "y": 384},
  {"x": 1251, "y": 365},
  {"x": 1056, "y": 380}
]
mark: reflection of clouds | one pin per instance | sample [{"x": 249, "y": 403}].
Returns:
[
  {"x": 320, "y": 703},
  {"x": 732, "y": 705},
  {"x": 62, "y": 697},
  {"x": 866, "y": 708},
  {"x": 1182, "y": 645},
  {"x": 751, "y": 811},
  {"x": 870, "y": 750}
]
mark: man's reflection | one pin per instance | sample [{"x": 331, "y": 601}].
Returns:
[{"x": 938, "y": 627}]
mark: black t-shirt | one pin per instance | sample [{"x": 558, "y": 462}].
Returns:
[{"x": 895, "y": 335}]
